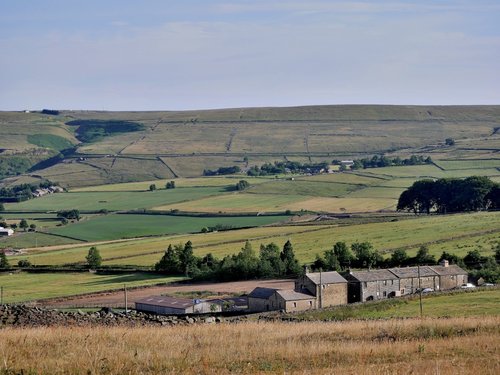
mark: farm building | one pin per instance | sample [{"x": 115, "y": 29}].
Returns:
[
  {"x": 413, "y": 278},
  {"x": 371, "y": 285},
  {"x": 231, "y": 303},
  {"x": 176, "y": 306},
  {"x": 268, "y": 299},
  {"x": 6, "y": 231},
  {"x": 329, "y": 288},
  {"x": 450, "y": 276}
]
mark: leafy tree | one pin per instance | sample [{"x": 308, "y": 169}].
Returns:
[
  {"x": 186, "y": 258},
  {"x": 73, "y": 214},
  {"x": 449, "y": 142},
  {"x": 242, "y": 185},
  {"x": 331, "y": 262},
  {"x": 290, "y": 263},
  {"x": 452, "y": 258},
  {"x": 4, "y": 263},
  {"x": 399, "y": 258},
  {"x": 343, "y": 254},
  {"x": 169, "y": 262},
  {"x": 423, "y": 256},
  {"x": 24, "y": 263},
  {"x": 270, "y": 261},
  {"x": 152, "y": 187},
  {"x": 93, "y": 258},
  {"x": 2, "y": 207},
  {"x": 474, "y": 259},
  {"x": 246, "y": 262},
  {"x": 32, "y": 227},
  {"x": 496, "y": 249},
  {"x": 170, "y": 185},
  {"x": 23, "y": 224},
  {"x": 13, "y": 226},
  {"x": 366, "y": 256}
]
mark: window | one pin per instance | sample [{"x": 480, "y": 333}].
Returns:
[
  {"x": 310, "y": 303},
  {"x": 385, "y": 282},
  {"x": 295, "y": 304},
  {"x": 392, "y": 282},
  {"x": 385, "y": 294}
]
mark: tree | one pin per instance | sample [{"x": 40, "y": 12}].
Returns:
[
  {"x": 23, "y": 224},
  {"x": 24, "y": 263},
  {"x": 170, "y": 185},
  {"x": 423, "y": 257},
  {"x": 69, "y": 214},
  {"x": 331, "y": 262},
  {"x": 169, "y": 262},
  {"x": 32, "y": 227},
  {"x": 270, "y": 261},
  {"x": 399, "y": 258},
  {"x": 242, "y": 185},
  {"x": 290, "y": 263},
  {"x": 152, "y": 187},
  {"x": 93, "y": 258},
  {"x": 366, "y": 256},
  {"x": 2, "y": 207},
  {"x": 343, "y": 254},
  {"x": 186, "y": 258},
  {"x": 449, "y": 142},
  {"x": 4, "y": 263}
]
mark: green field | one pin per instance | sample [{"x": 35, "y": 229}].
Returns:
[
  {"x": 111, "y": 227},
  {"x": 22, "y": 286},
  {"x": 483, "y": 302},
  {"x": 457, "y": 234},
  {"x": 114, "y": 200}
]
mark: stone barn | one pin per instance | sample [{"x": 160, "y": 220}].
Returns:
[
  {"x": 329, "y": 288},
  {"x": 450, "y": 276},
  {"x": 164, "y": 305},
  {"x": 409, "y": 279},
  {"x": 371, "y": 285}
]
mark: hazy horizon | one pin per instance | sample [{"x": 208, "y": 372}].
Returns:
[{"x": 193, "y": 55}]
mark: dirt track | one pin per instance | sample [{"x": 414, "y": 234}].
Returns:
[{"x": 117, "y": 298}]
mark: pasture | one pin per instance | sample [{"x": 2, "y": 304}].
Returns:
[
  {"x": 456, "y": 234},
  {"x": 22, "y": 286},
  {"x": 111, "y": 227}
]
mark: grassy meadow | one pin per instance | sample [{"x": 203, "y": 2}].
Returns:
[
  {"x": 457, "y": 234},
  {"x": 22, "y": 286},
  {"x": 444, "y": 346}
]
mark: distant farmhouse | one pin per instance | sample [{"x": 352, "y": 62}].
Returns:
[
  {"x": 316, "y": 290},
  {"x": 6, "y": 232}
]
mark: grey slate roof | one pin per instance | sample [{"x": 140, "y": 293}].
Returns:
[
  {"x": 412, "y": 272},
  {"x": 371, "y": 275},
  {"x": 264, "y": 293},
  {"x": 331, "y": 277},
  {"x": 291, "y": 295},
  {"x": 452, "y": 269},
  {"x": 165, "y": 301}
]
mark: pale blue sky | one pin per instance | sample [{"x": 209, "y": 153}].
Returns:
[{"x": 167, "y": 55}]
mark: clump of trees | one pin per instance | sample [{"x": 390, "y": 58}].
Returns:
[
  {"x": 282, "y": 167},
  {"x": 379, "y": 161},
  {"x": 73, "y": 214},
  {"x": 450, "y": 195},
  {"x": 152, "y": 187},
  {"x": 170, "y": 185},
  {"x": 222, "y": 171},
  {"x": 4, "y": 263},
  {"x": 242, "y": 185},
  {"x": 270, "y": 262}
]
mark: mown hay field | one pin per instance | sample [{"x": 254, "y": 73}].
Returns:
[
  {"x": 23, "y": 286},
  {"x": 430, "y": 346},
  {"x": 453, "y": 233}
]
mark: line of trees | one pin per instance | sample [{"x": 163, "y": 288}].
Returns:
[
  {"x": 246, "y": 264},
  {"x": 222, "y": 171},
  {"x": 379, "y": 161},
  {"x": 22, "y": 192},
  {"x": 450, "y": 195},
  {"x": 282, "y": 167}
]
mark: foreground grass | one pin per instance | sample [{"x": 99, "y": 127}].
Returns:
[
  {"x": 450, "y": 346},
  {"x": 21, "y": 287},
  {"x": 461, "y": 303}
]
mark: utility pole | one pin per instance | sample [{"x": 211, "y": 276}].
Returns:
[
  {"x": 420, "y": 292},
  {"x": 320, "y": 290},
  {"x": 126, "y": 299},
  {"x": 1, "y": 295}
]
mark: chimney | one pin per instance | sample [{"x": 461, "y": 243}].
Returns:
[
  {"x": 444, "y": 263},
  {"x": 306, "y": 269}
]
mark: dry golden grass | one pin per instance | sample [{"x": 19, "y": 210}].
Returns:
[{"x": 432, "y": 346}]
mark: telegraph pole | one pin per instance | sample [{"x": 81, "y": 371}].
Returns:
[
  {"x": 420, "y": 292},
  {"x": 1, "y": 295},
  {"x": 320, "y": 290},
  {"x": 126, "y": 299}
]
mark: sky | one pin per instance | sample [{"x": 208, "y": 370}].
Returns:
[{"x": 199, "y": 54}]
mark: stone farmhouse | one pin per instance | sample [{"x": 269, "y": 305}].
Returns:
[
  {"x": 394, "y": 282},
  {"x": 312, "y": 291}
]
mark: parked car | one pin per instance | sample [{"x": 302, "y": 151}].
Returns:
[
  {"x": 427, "y": 290},
  {"x": 467, "y": 286}
]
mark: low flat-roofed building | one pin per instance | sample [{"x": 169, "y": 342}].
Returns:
[
  {"x": 6, "y": 231},
  {"x": 166, "y": 305}
]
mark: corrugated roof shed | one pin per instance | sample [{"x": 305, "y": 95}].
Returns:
[
  {"x": 371, "y": 275},
  {"x": 290, "y": 295},
  {"x": 165, "y": 301},
  {"x": 331, "y": 277},
  {"x": 412, "y": 272},
  {"x": 449, "y": 270},
  {"x": 262, "y": 292}
]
